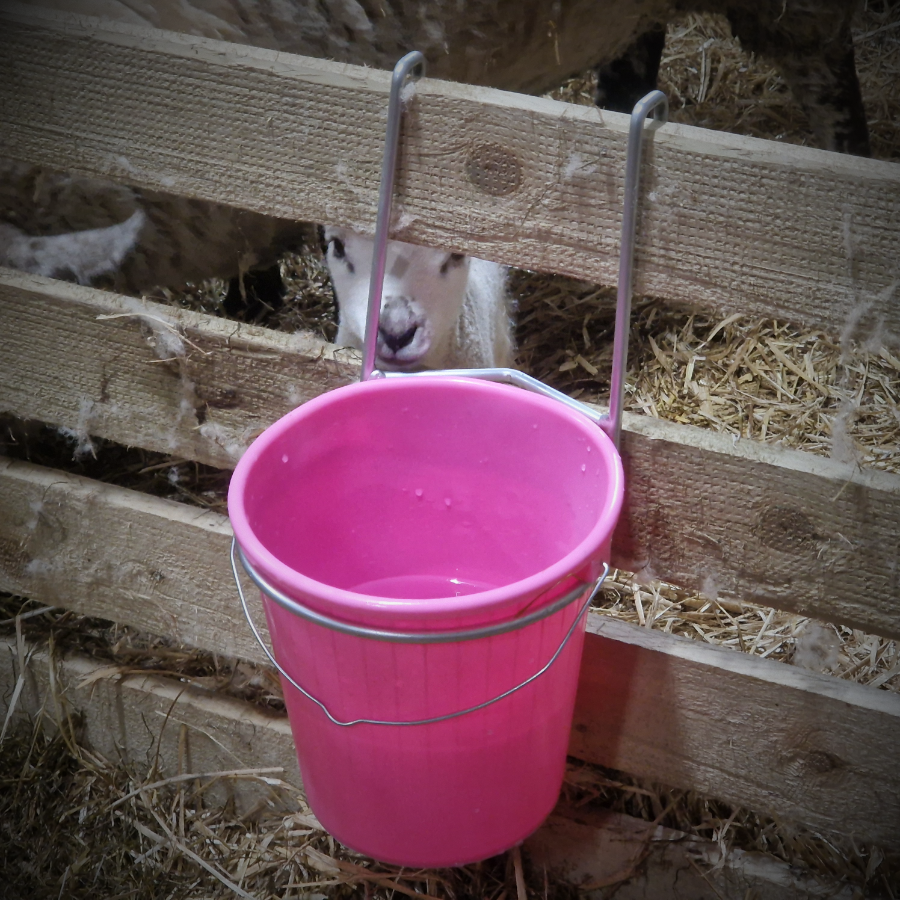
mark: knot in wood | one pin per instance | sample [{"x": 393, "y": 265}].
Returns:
[
  {"x": 218, "y": 397},
  {"x": 14, "y": 561},
  {"x": 813, "y": 762},
  {"x": 493, "y": 169},
  {"x": 786, "y": 528}
]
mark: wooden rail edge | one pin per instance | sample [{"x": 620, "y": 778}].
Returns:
[
  {"x": 753, "y": 732},
  {"x": 728, "y": 223},
  {"x": 735, "y": 519},
  {"x": 142, "y": 719}
]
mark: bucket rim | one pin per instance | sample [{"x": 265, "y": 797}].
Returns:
[{"x": 347, "y": 603}]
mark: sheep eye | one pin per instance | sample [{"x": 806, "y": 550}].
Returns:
[
  {"x": 337, "y": 247},
  {"x": 454, "y": 259}
]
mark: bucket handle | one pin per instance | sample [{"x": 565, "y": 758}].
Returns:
[
  {"x": 412, "y": 67},
  {"x": 405, "y": 637}
]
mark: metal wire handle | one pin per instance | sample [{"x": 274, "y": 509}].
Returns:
[
  {"x": 411, "y": 66},
  {"x": 514, "y": 377},
  {"x": 655, "y": 103},
  {"x": 406, "y": 637}
]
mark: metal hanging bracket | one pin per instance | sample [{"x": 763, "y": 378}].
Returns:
[
  {"x": 412, "y": 66},
  {"x": 654, "y": 102}
]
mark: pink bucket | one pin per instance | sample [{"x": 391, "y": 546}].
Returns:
[{"x": 426, "y": 546}]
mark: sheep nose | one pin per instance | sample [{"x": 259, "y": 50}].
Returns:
[{"x": 396, "y": 341}]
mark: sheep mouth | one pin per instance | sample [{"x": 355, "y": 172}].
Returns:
[
  {"x": 404, "y": 355},
  {"x": 399, "y": 365}
]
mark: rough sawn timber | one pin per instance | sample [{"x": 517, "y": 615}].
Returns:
[
  {"x": 737, "y": 519},
  {"x": 157, "y": 565},
  {"x": 154, "y": 724},
  {"x": 728, "y": 223},
  {"x": 149, "y": 375},
  {"x": 755, "y": 732},
  {"x": 747, "y": 730},
  {"x": 144, "y": 719}
]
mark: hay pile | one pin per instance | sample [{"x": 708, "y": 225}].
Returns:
[
  {"x": 755, "y": 379},
  {"x": 73, "y": 825}
]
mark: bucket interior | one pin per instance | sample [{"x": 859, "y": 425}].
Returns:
[{"x": 427, "y": 488}]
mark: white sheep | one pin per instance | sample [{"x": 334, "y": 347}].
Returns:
[
  {"x": 439, "y": 310},
  {"x": 75, "y": 256}
]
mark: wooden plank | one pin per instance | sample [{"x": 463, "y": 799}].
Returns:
[
  {"x": 728, "y": 223},
  {"x": 157, "y": 565},
  {"x": 754, "y": 732},
  {"x": 756, "y": 522},
  {"x": 736, "y": 519},
  {"x": 150, "y": 375},
  {"x": 136, "y": 719},
  {"x": 148, "y": 721},
  {"x": 750, "y": 731}
]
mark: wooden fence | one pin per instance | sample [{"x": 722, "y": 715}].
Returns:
[{"x": 728, "y": 224}]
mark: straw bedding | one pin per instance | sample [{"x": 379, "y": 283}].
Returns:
[{"x": 74, "y": 825}]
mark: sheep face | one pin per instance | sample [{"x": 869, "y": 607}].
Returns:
[{"x": 421, "y": 300}]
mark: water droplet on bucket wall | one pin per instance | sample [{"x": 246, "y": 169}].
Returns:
[
  {"x": 447, "y": 500},
  {"x": 583, "y": 467},
  {"x": 284, "y": 458},
  {"x": 419, "y": 493}
]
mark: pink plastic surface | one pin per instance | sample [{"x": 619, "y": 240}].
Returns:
[{"x": 428, "y": 505}]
